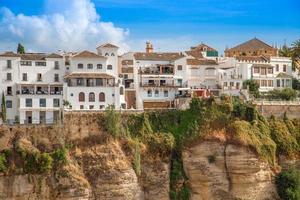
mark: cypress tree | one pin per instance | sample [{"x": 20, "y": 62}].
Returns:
[
  {"x": 3, "y": 108},
  {"x": 21, "y": 49}
]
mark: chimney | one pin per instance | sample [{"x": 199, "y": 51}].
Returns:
[{"x": 149, "y": 47}]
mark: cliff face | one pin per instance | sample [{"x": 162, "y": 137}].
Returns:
[
  {"x": 217, "y": 170},
  {"x": 101, "y": 168}
]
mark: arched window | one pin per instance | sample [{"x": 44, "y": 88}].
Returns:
[
  {"x": 102, "y": 97},
  {"x": 91, "y": 97},
  {"x": 80, "y": 66},
  {"x": 112, "y": 54},
  {"x": 90, "y": 66},
  {"x": 81, "y": 97},
  {"x": 99, "y": 66},
  {"x": 121, "y": 90},
  {"x": 149, "y": 92},
  {"x": 106, "y": 54}
]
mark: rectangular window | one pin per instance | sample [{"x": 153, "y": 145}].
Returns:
[
  {"x": 56, "y": 77},
  {"x": 56, "y": 103},
  {"x": 42, "y": 102},
  {"x": 256, "y": 70},
  {"x": 278, "y": 83},
  {"x": 270, "y": 83},
  {"x": 166, "y": 93},
  {"x": 8, "y": 104},
  {"x": 179, "y": 67},
  {"x": 9, "y": 90},
  {"x": 263, "y": 71},
  {"x": 24, "y": 77},
  {"x": 288, "y": 83},
  {"x": 149, "y": 93},
  {"x": 8, "y": 76},
  {"x": 39, "y": 77},
  {"x": 109, "y": 67},
  {"x": 225, "y": 84},
  {"x": 284, "y": 68},
  {"x": 81, "y": 107},
  {"x": 270, "y": 70},
  {"x": 9, "y": 64},
  {"x": 156, "y": 93},
  {"x": 56, "y": 65},
  {"x": 277, "y": 67},
  {"x": 80, "y": 82},
  {"x": 25, "y": 63},
  {"x": 28, "y": 102},
  {"x": 237, "y": 85},
  {"x": 99, "y": 82},
  {"x": 231, "y": 84},
  {"x": 91, "y": 107},
  {"x": 43, "y": 64}
]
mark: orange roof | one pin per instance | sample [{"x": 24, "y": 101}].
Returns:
[
  {"x": 108, "y": 45},
  {"x": 251, "y": 45},
  {"x": 201, "y": 62},
  {"x": 88, "y": 75},
  {"x": 253, "y": 58},
  {"x": 87, "y": 54},
  {"x": 158, "y": 56}
]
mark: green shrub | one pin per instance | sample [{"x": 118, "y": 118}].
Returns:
[
  {"x": 161, "y": 142},
  {"x": 288, "y": 184},
  {"x": 252, "y": 86},
  {"x": 137, "y": 159},
  {"x": 59, "y": 156},
  {"x": 45, "y": 163},
  {"x": 284, "y": 94},
  {"x": 112, "y": 121},
  {"x": 3, "y": 162}
]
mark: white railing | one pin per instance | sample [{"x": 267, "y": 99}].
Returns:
[{"x": 266, "y": 102}]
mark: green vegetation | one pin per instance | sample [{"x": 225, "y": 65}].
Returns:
[
  {"x": 59, "y": 156},
  {"x": 296, "y": 84},
  {"x": 287, "y": 94},
  {"x": 293, "y": 52},
  {"x": 113, "y": 122},
  {"x": 252, "y": 86},
  {"x": 20, "y": 49},
  {"x": 168, "y": 132},
  {"x": 3, "y": 162},
  {"x": 3, "y": 108},
  {"x": 288, "y": 184}
]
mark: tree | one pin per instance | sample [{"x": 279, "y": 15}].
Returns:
[
  {"x": 288, "y": 184},
  {"x": 285, "y": 51},
  {"x": 295, "y": 52},
  {"x": 285, "y": 94},
  {"x": 296, "y": 84},
  {"x": 3, "y": 108},
  {"x": 21, "y": 49},
  {"x": 252, "y": 86}
]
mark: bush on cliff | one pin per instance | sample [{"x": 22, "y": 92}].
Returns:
[
  {"x": 3, "y": 162},
  {"x": 288, "y": 184}
]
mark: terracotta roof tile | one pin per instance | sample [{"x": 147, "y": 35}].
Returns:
[
  {"x": 251, "y": 45},
  {"x": 201, "y": 62},
  {"x": 253, "y": 58},
  {"x": 88, "y": 75},
  {"x": 158, "y": 56},
  {"x": 9, "y": 54},
  {"x": 203, "y": 47},
  {"x": 87, "y": 54},
  {"x": 108, "y": 45}
]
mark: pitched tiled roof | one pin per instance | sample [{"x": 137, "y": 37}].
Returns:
[
  {"x": 87, "y": 54},
  {"x": 127, "y": 62},
  {"x": 158, "y": 56},
  {"x": 31, "y": 56},
  {"x": 201, "y": 62},
  {"x": 203, "y": 47},
  {"x": 9, "y": 54},
  {"x": 108, "y": 45},
  {"x": 194, "y": 53},
  {"x": 253, "y": 58},
  {"x": 88, "y": 75},
  {"x": 251, "y": 45},
  {"x": 54, "y": 55}
]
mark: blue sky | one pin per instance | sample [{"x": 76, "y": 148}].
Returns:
[{"x": 177, "y": 24}]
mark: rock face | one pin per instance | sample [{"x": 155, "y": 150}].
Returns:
[{"x": 217, "y": 170}]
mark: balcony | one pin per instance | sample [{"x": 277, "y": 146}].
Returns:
[
  {"x": 157, "y": 70},
  {"x": 40, "y": 90},
  {"x": 127, "y": 70},
  {"x": 160, "y": 84}
]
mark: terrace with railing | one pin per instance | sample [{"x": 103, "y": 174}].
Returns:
[{"x": 157, "y": 69}]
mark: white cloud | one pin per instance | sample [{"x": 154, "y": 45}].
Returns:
[{"x": 69, "y": 25}]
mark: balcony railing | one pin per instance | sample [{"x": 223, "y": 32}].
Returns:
[
  {"x": 160, "y": 85},
  {"x": 127, "y": 70}
]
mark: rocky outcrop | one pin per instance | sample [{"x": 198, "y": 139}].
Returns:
[{"x": 217, "y": 170}]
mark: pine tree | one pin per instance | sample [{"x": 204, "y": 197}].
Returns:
[
  {"x": 21, "y": 49},
  {"x": 3, "y": 108}
]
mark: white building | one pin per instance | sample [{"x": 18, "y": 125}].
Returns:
[
  {"x": 92, "y": 81},
  {"x": 32, "y": 84}
]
